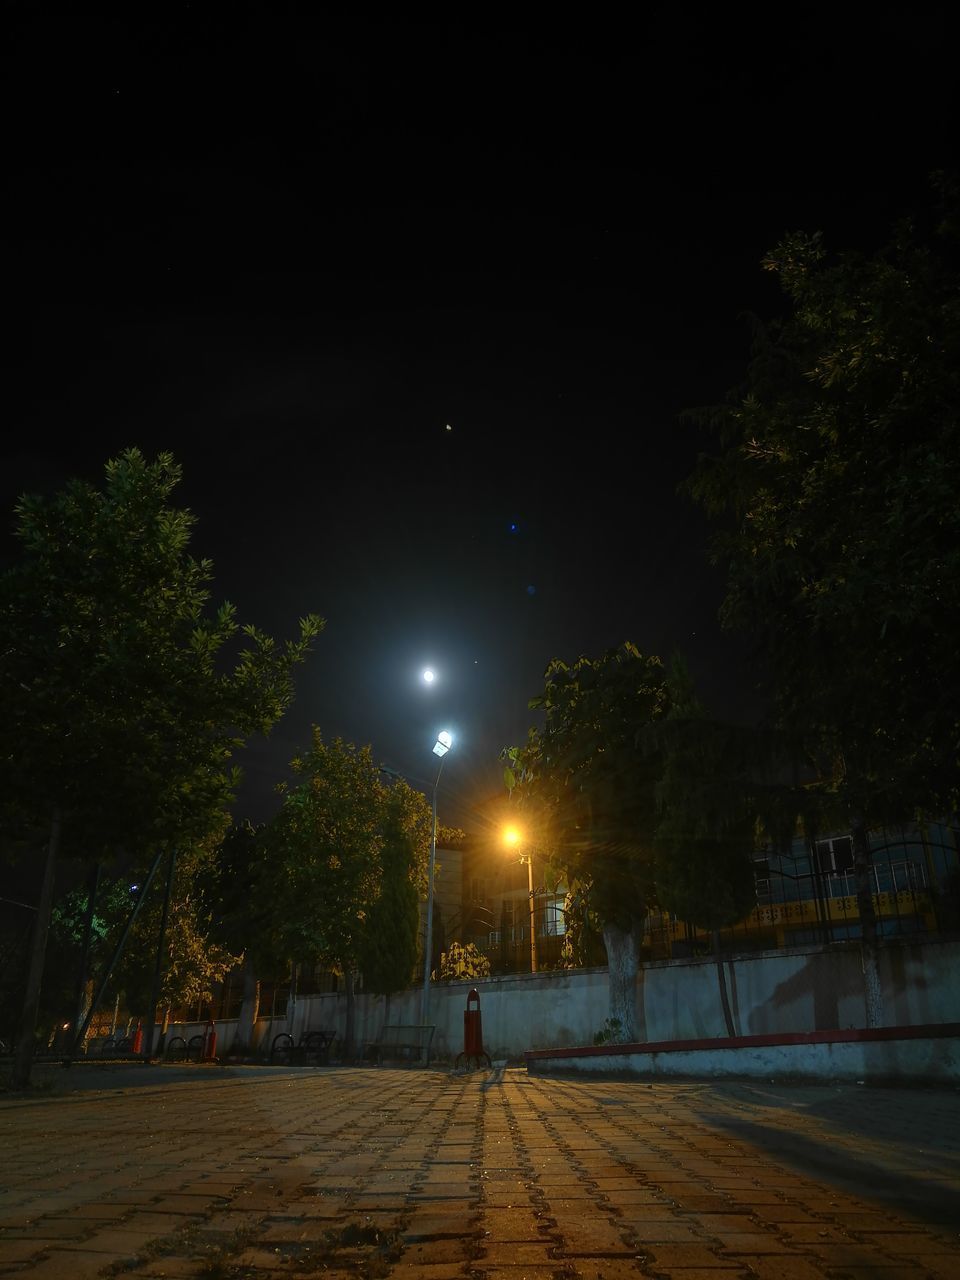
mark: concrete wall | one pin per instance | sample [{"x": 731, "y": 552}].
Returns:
[
  {"x": 805, "y": 989},
  {"x": 931, "y": 1059}
]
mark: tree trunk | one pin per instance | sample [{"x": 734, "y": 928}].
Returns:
[
  {"x": 249, "y": 1007},
  {"x": 869, "y": 959},
  {"x": 158, "y": 964},
  {"x": 623, "y": 962},
  {"x": 23, "y": 1059},
  {"x": 348, "y": 987},
  {"x": 722, "y": 982},
  {"x": 85, "y": 1003},
  {"x": 291, "y": 1015},
  {"x": 84, "y": 987}
]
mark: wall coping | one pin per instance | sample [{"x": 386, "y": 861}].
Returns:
[{"x": 931, "y": 1031}]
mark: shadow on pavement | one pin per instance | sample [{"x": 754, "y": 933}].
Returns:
[{"x": 934, "y": 1199}]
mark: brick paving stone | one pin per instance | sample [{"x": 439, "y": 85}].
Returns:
[
  {"x": 636, "y": 1197},
  {"x": 511, "y": 1272},
  {"x": 910, "y": 1243},
  {"x": 940, "y": 1265},
  {"x": 654, "y": 1231},
  {"x": 866, "y": 1220},
  {"x": 565, "y": 1190},
  {"x": 184, "y": 1205},
  {"x": 60, "y": 1228},
  {"x": 755, "y": 1242},
  {"x": 782, "y": 1213},
  {"x": 711, "y": 1223},
  {"x": 787, "y": 1268},
  {"x": 448, "y": 1251},
  {"x": 512, "y": 1224},
  {"x": 167, "y": 1269},
  {"x": 107, "y": 1212},
  {"x": 854, "y": 1253},
  {"x": 746, "y": 1193},
  {"x": 563, "y": 1164},
  {"x": 687, "y": 1255},
  {"x": 496, "y": 1253},
  {"x": 896, "y": 1271},
  {"x": 617, "y": 1269},
  {"x": 118, "y": 1242},
  {"x": 12, "y": 1251},
  {"x": 409, "y": 1271},
  {"x": 702, "y": 1273},
  {"x": 61, "y": 1264},
  {"x": 697, "y": 1203},
  {"x": 586, "y": 1235},
  {"x": 803, "y": 1232}
]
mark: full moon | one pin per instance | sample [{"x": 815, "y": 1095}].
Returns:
[{"x": 428, "y": 676}]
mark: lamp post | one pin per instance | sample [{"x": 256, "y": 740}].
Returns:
[
  {"x": 440, "y": 748},
  {"x": 513, "y": 837}
]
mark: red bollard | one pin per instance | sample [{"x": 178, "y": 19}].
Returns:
[
  {"x": 472, "y": 1031},
  {"x": 209, "y": 1041},
  {"x": 137, "y": 1046}
]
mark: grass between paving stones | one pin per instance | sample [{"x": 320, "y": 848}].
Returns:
[
  {"x": 173, "y": 1245},
  {"x": 368, "y": 1252}
]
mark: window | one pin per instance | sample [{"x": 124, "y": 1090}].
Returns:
[
  {"x": 553, "y": 920},
  {"x": 478, "y": 890},
  {"x": 834, "y": 856}
]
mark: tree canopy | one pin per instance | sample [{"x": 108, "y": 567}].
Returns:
[
  {"x": 585, "y": 783},
  {"x": 342, "y": 839},
  {"x": 837, "y": 481},
  {"x": 587, "y": 788},
  {"x": 390, "y": 947},
  {"x": 123, "y": 698}
]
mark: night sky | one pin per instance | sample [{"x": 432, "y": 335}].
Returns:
[{"x": 417, "y": 307}]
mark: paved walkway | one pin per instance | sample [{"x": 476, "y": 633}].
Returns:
[{"x": 423, "y": 1175}]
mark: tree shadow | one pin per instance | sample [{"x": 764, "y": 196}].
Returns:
[{"x": 893, "y": 1120}]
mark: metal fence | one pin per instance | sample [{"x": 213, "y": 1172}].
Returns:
[{"x": 809, "y": 894}]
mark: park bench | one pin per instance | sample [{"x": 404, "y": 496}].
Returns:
[
  {"x": 313, "y": 1046},
  {"x": 403, "y": 1042}
]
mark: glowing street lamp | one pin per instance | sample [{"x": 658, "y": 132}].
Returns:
[
  {"x": 440, "y": 748},
  {"x": 512, "y": 836}
]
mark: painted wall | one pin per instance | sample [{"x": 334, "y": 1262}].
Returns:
[
  {"x": 805, "y": 989},
  {"x": 933, "y": 1060}
]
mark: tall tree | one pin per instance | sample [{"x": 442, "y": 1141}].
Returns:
[
  {"x": 326, "y": 847},
  {"x": 192, "y": 959},
  {"x": 837, "y": 478},
  {"x": 589, "y": 790},
  {"x": 390, "y": 946},
  {"x": 712, "y": 789},
  {"x": 121, "y": 709},
  {"x": 238, "y": 892}
]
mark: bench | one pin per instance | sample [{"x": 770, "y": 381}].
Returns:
[
  {"x": 406, "y": 1043},
  {"x": 313, "y": 1046}
]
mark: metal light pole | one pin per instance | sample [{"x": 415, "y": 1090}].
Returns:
[
  {"x": 512, "y": 836},
  {"x": 528, "y": 859},
  {"x": 440, "y": 748}
]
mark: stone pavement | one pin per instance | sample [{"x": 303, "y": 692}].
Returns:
[{"x": 429, "y": 1175}]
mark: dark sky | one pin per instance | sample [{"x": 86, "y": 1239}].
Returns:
[{"x": 291, "y": 250}]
